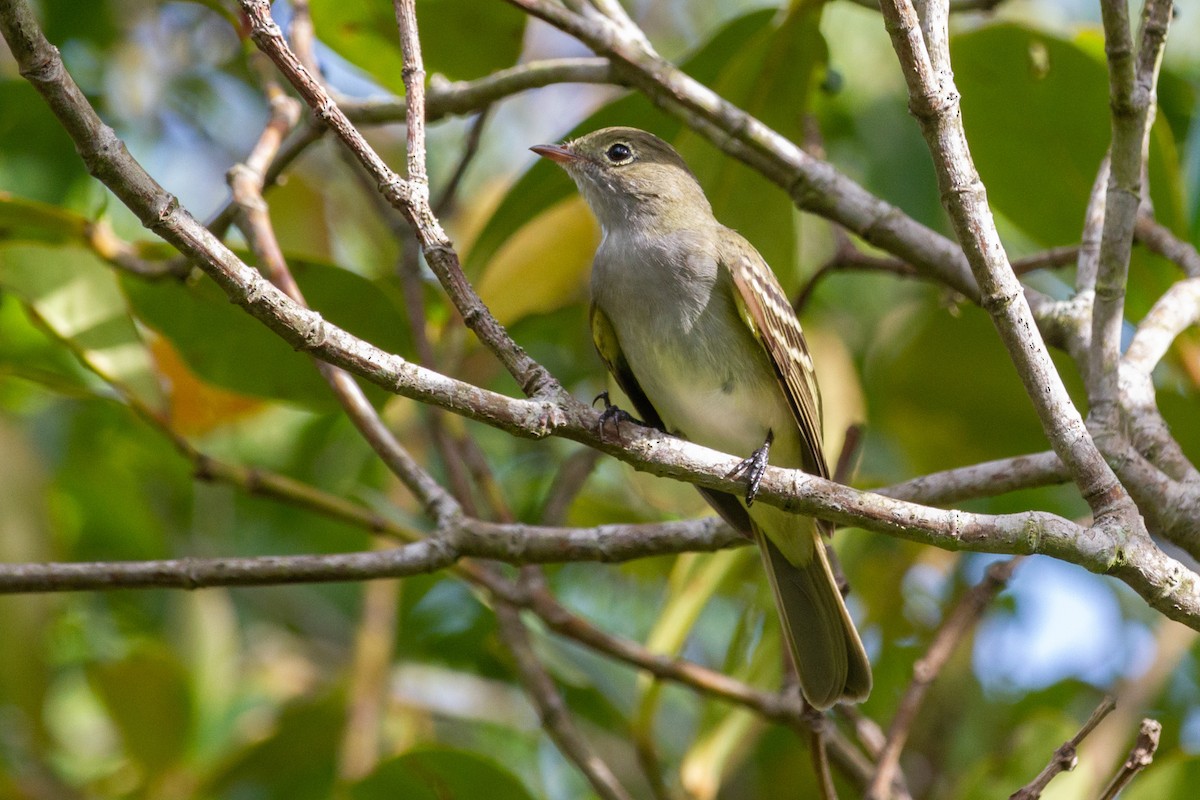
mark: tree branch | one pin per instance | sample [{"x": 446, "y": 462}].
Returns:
[
  {"x": 1064, "y": 758},
  {"x": 814, "y": 185},
  {"x": 1159, "y": 240},
  {"x": 1132, "y": 99},
  {"x": 956, "y": 625},
  {"x": 410, "y": 197},
  {"x": 934, "y": 101},
  {"x": 1139, "y": 758},
  {"x": 552, "y": 710},
  {"x": 458, "y": 98},
  {"x": 513, "y": 544},
  {"x": 988, "y": 479}
]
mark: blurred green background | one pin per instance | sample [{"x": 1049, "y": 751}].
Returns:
[{"x": 245, "y": 693}]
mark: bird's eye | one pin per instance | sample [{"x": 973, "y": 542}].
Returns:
[{"x": 619, "y": 153}]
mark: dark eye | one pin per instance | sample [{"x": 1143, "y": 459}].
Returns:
[{"x": 619, "y": 153}]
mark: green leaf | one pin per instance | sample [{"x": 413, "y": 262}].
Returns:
[
  {"x": 544, "y": 185},
  {"x": 226, "y": 346},
  {"x": 771, "y": 77},
  {"x": 934, "y": 419},
  {"x": 37, "y": 158},
  {"x": 295, "y": 762},
  {"x": 30, "y": 352},
  {"x": 1035, "y": 106},
  {"x": 458, "y": 40},
  {"x": 22, "y": 219},
  {"x": 76, "y": 295},
  {"x": 147, "y": 696},
  {"x": 435, "y": 773}
]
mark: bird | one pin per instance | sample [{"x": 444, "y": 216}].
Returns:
[{"x": 696, "y": 331}]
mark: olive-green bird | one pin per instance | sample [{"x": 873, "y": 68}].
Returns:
[{"x": 696, "y": 330}]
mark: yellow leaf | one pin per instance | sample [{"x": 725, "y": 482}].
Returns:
[{"x": 543, "y": 266}]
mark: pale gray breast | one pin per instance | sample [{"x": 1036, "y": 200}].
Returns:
[{"x": 673, "y": 311}]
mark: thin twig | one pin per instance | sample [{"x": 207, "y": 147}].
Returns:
[
  {"x": 410, "y": 197},
  {"x": 1132, "y": 92},
  {"x": 820, "y": 760},
  {"x": 568, "y": 482},
  {"x": 988, "y": 479},
  {"x": 552, "y": 710},
  {"x": 957, "y": 624},
  {"x": 1088, "y": 263},
  {"x": 849, "y": 258},
  {"x": 1160, "y": 240},
  {"x": 449, "y": 194},
  {"x": 459, "y": 98},
  {"x": 1115, "y": 547},
  {"x": 934, "y": 101},
  {"x": 1139, "y": 758},
  {"x": 1064, "y": 758}
]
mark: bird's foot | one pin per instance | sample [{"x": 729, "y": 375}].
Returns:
[
  {"x": 753, "y": 467},
  {"x": 613, "y": 414}
]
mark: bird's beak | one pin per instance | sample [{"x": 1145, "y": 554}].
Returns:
[{"x": 556, "y": 153}]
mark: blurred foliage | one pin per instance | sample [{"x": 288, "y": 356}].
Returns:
[{"x": 245, "y": 693}]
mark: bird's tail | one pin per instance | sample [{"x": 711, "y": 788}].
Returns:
[{"x": 825, "y": 647}]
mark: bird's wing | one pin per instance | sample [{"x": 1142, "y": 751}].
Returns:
[
  {"x": 604, "y": 336},
  {"x": 766, "y": 310}
]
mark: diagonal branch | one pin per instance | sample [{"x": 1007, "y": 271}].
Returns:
[
  {"x": 1064, "y": 758},
  {"x": 813, "y": 184},
  {"x": 1112, "y": 549},
  {"x": 1139, "y": 758},
  {"x": 410, "y": 197},
  {"x": 934, "y": 101},
  {"x": 551, "y": 708},
  {"x": 957, "y": 624},
  {"x": 1132, "y": 81}
]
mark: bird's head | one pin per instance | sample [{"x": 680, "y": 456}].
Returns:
[{"x": 629, "y": 176}]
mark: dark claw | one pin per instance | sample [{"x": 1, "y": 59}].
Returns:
[
  {"x": 753, "y": 468},
  {"x": 613, "y": 414}
]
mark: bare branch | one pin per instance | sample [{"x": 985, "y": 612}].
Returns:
[
  {"x": 820, "y": 759},
  {"x": 410, "y": 197},
  {"x": 458, "y": 98},
  {"x": 1064, "y": 758},
  {"x": 957, "y": 624},
  {"x": 934, "y": 101},
  {"x": 1132, "y": 98},
  {"x": 514, "y": 544},
  {"x": 1159, "y": 239},
  {"x": 414, "y": 93},
  {"x": 1177, "y": 309},
  {"x": 552, "y": 710},
  {"x": 814, "y": 185},
  {"x": 1088, "y": 263},
  {"x": 1139, "y": 758},
  {"x": 989, "y": 479}
]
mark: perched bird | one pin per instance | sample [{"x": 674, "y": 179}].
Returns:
[{"x": 694, "y": 327}]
